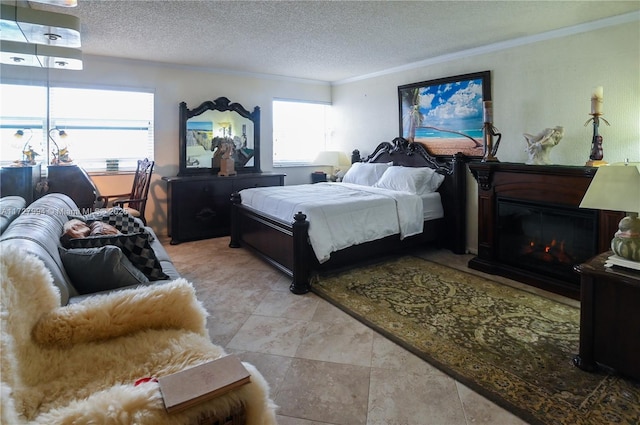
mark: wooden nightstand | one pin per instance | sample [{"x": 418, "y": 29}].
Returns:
[{"x": 609, "y": 317}]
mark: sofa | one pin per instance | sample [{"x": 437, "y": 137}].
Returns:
[
  {"x": 77, "y": 356},
  {"x": 97, "y": 361},
  {"x": 10, "y": 208},
  {"x": 37, "y": 230}
]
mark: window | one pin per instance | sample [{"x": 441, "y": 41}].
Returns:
[
  {"x": 300, "y": 131},
  {"x": 100, "y": 125}
]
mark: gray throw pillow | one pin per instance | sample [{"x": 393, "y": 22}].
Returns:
[
  {"x": 135, "y": 247},
  {"x": 100, "y": 269}
]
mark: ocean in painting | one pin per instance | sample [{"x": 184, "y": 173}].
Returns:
[{"x": 430, "y": 133}]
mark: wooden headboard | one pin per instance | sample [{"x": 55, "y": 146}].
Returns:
[{"x": 453, "y": 190}]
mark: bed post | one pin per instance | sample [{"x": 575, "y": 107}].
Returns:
[
  {"x": 235, "y": 221},
  {"x": 458, "y": 216},
  {"x": 301, "y": 247}
]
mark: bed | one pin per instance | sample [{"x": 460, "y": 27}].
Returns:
[{"x": 271, "y": 221}]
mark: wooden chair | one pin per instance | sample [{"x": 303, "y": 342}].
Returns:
[{"x": 136, "y": 200}]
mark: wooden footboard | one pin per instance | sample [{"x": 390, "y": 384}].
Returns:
[{"x": 285, "y": 245}]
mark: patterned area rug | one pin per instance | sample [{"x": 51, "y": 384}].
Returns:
[{"x": 511, "y": 346}]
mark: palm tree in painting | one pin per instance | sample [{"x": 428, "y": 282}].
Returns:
[{"x": 412, "y": 118}]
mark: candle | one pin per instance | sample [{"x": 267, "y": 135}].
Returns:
[
  {"x": 596, "y": 100},
  {"x": 487, "y": 107}
]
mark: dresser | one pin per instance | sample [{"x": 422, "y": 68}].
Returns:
[
  {"x": 199, "y": 207},
  {"x": 20, "y": 181}
]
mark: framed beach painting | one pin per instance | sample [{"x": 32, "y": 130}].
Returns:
[{"x": 446, "y": 114}]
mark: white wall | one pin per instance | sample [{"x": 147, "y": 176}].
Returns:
[
  {"x": 173, "y": 85},
  {"x": 534, "y": 86}
]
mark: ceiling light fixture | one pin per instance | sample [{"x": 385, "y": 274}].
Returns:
[
  {"x": 39, "y": 38},
  {"x": 62, "y": 3},
  {"x": 22, "y": 24},
  {"x": 24, "y": 54}
]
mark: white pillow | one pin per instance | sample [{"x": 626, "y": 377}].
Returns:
[
  {"x": 365, "y": 173},
  {"x": 416, "y": 180}
]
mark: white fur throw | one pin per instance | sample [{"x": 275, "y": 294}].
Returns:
[
  {"x": 171, "y": 305},
  {"x": 78, "y": 364}
]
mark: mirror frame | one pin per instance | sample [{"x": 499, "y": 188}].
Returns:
[{"x": 220, "y": 104}]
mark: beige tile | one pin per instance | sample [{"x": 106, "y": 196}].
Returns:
[
  {"x": 388, "y": 355},
  {"x": 223, "y": 325},
  {"x": 273, "y": 368},
  {"x": 481, "y": 411},
  {"x": 217, "y": 297},
  {"x": 327, "y": 312},
  {"x": 286, "y": 304},
  {"x": 325, "y": 392},
  {"x": 270, "y": 335},
  {"x": 399, "y": 397},
  {"x": 288, "y": 420},
  {"x": 340, "y": 342}
]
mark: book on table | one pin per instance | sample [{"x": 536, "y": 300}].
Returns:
[{"x": 194, "y": 385}]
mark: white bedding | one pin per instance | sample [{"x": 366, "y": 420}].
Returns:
[
  {"x": 341, "y": 214},
  {"x": 432, "y": 206}
]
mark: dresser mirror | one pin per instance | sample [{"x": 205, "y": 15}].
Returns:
[{"x": 213, "y": 127}]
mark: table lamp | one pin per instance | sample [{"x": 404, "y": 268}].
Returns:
[
  {"x": 337, "y": 160},
  {"x": 617, "y": 188},
  {"x": 28, "y": 154}
]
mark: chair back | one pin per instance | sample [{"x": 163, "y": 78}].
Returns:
[{"x": 141, "y": 182}]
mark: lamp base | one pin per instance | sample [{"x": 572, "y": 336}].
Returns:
[
  {"x": 595, "y": 163},
  {"x": 626, "y": 241}
]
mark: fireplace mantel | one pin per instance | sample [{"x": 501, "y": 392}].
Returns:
[{"x": 545, "y": 184}]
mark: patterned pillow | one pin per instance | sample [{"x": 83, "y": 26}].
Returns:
[
  {"x": 117, "y": 217},
  {"x": 134, "y": 246}
]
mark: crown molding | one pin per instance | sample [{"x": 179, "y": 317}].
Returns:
[{"x": 516, "y": 42}]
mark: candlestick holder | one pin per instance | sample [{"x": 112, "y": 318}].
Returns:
[
  {"x": 490, "y": 150},
  {"x": 597, "y": 154}
]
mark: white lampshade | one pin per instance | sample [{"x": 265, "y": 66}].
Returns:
[
  {"x": 332, "y": 158},
  {"x": 614, "y": 188}
]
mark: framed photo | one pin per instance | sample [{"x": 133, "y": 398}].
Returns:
[{"x": 446, "y": 115}]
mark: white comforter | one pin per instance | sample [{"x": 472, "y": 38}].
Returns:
[{"x": 341, "y": 214}]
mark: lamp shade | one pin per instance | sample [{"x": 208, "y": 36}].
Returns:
[
  {"x": 614, "y": 188},
  {"x": 333, "y": 158}
]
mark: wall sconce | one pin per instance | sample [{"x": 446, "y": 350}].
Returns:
[
  {"x": 28, "y": 154},
  {"x": 60, "y": 156},
  {"x": 617, "y": 188}
]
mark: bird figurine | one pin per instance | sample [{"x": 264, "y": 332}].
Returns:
[{"x": 539, "y": 145}]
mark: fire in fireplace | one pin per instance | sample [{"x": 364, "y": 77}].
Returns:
[{"x": 544, "y": 238}]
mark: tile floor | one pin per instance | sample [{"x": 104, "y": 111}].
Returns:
[{"x": 324, "y": 367}]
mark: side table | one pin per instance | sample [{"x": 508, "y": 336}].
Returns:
[{"x": 609, "y": 317}]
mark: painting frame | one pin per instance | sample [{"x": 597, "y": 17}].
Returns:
[{"x": 446, "y": 114}]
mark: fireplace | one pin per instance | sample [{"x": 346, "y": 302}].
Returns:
[
  {"x": 530, "y": 227},
  {"x": 546, "y": 239}
]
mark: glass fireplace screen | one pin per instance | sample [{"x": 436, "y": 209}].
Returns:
[{"x": 545, "y": 238}]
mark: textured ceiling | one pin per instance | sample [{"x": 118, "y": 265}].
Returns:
[{"x": 319, "y": 40}]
